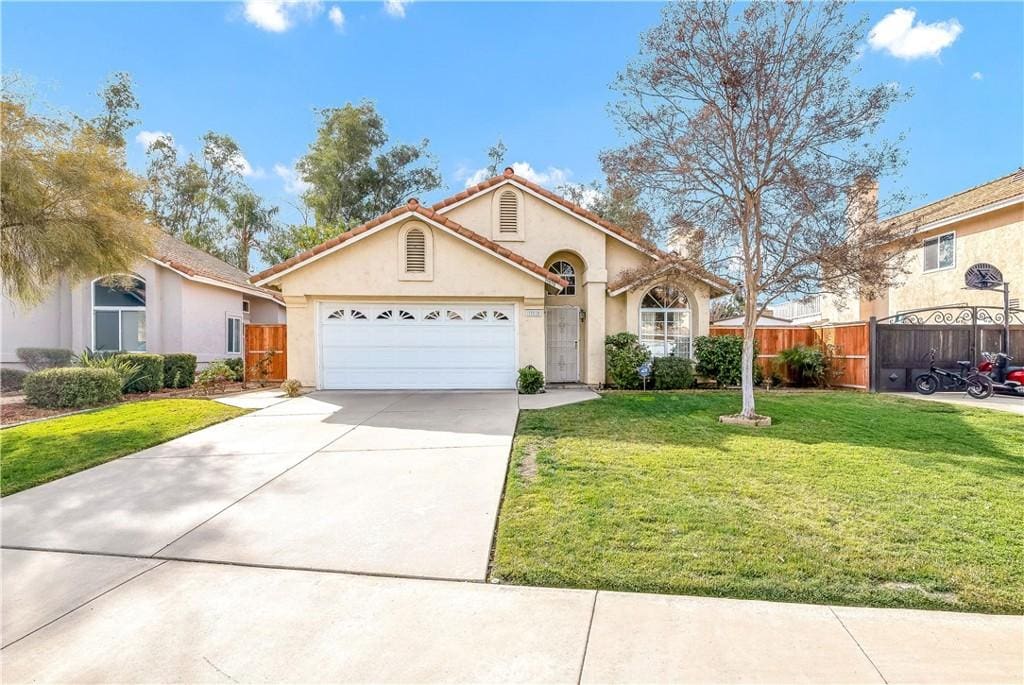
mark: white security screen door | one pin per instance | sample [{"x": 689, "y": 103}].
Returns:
[
  {"x": 562, "y": 344},
  {"x": 417, "y": 346}
]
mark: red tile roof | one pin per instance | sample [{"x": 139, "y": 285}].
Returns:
[
  {"x": 510, "y": 175},
  {"x": 653, "y": 271},
  {"x": 413, "y": 206}
]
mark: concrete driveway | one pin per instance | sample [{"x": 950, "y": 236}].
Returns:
[{"x": 393, "y": 483}]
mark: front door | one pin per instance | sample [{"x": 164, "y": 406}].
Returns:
[{"x": 562, "y": 335}]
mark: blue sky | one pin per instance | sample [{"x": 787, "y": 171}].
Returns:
[{"x": 461, "y": 74}]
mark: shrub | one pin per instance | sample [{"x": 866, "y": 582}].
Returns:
[
  {"x": 806, "y": 364},
  {"x": 673, "y": 373},
  {"x": 623, "y": 355},
  {"x": 214, "y": 377},
  {"x": 291, "y": 387},
  {"x": 721, "y": 357},
  {"x": 39, "y": 358},
  {"x": 179, "y": 370},
  {"x": 531, "y": 381},
  {"x": 11, "y": 379},
  {"x": 151, "y": 371},
  {"x": 126, "y": 369},
  {"x": 72, "y": 387},
  {"x": 237, "y": 367}
]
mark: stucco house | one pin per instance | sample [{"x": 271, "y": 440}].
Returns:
[
  {"x": 179, "y": 299},
  {"x": 981, "y": 224},
  {"x": 462, "y": 294}
]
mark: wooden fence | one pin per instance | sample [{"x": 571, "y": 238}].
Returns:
[
  {"x": 261, "y": 339},
  {"x": 849, "y": 343}
]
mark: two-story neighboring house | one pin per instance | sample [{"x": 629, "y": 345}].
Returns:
[
  {"x": 981, "y": 224},
  {"x": 460, "y": 295}
]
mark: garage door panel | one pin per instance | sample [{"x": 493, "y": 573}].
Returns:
[{"x": 417, "y": 346}]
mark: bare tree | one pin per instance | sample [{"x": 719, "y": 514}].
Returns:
[{"x": 743, "y": 124}]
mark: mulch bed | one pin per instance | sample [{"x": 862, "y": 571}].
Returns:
[{"x": 14, "y": 410}]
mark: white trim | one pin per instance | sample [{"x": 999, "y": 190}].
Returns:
[
  {"x": 963, "y": 216},
  {"x": 391, "y": 222},
  {"x": 556, "y": 205},
  {"x": 938, "y": 242},
  {"x": 228, "y": 316},
  {"x": 93, "y": 308}
]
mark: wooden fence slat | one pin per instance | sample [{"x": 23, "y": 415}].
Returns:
[{"x": 261, "y": 338}]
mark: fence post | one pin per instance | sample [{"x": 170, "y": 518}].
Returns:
[{"x": 872, "y": 339}]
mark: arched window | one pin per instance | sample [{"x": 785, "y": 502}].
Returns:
[
  {"x": 415, "y": 251},
  {"x": 665, "y": 322},
  {"x": 119, "y": 314},
  {"x": 508, "y": 213},
  {"x": 566, "y": 271}
]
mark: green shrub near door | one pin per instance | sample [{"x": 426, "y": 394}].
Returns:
[
  {"x": 179, "y": 370},
  {"x": 72, "y": 387},
  {"x": 623, "y": 355},
  {"x": 151, "y": 371},
  {"x": 673, "y": 373}
]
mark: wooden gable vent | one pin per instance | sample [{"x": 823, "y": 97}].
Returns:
[
  {"x": 415, "y": 251},
  {"x": 508, "y": 213}
]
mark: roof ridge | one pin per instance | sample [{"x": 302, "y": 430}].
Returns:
[{"x": 1015, "y": 173}]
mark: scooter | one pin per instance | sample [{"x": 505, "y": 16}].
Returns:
[
  {"x": 978, "y": 385},
  {"x": 1006, "y": 379}
]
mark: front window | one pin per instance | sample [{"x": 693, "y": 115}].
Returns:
[
  {"x": 665, "y": 322},
  {"x": 234, "y": 335},
  {"x": 119, "y": 314},
  {"x": 940, "y": 252},
  {"x": 566, "y": 271}
]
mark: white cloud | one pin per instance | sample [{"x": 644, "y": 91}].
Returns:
[
  {"x": 977, "y": 76},
  {"x": 336, "y": 16},
  {"x": 293, "y": 183},
  {"x": 280, "y": 15},
  {"x": 147, "y": 138},
  {"x": 550, "y": 177},
  {"x": 396, "y": 8},
  {"x": 901, "y": 37},
  {"x": 243, "y": 167}
]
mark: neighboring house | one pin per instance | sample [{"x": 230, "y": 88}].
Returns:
[
  {"x": 181, "y": 299},
  {"x": 980, "y": 224},
  {"x": 502, "y": 275}
]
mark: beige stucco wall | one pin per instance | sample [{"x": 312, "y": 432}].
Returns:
[{"x": 264, "y": 311}]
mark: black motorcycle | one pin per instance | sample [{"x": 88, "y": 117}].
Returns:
[{"x": 977, "y": 385}]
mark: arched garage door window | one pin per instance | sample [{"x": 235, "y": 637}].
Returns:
[
  {"x": 665, "y": 322},
  {"x": 119, "y": 314}
]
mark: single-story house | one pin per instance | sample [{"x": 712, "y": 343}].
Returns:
[
  {"x": 179, "y": 299},
  {"x": 502, "y": 275}
]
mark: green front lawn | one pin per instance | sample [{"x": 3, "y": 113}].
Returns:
[
  {"x": 848, "y": 499},
  {"x": 40, "y": 452}
]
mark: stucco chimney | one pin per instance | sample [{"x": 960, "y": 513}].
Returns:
[{"x": 862, "y": 203}]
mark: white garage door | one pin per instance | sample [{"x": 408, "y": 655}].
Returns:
[{"x": 417, "y": 346}]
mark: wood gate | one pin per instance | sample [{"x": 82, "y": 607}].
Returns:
[
  {"x": 266, "y": 350},
  {"x": 901, "y": 344}
]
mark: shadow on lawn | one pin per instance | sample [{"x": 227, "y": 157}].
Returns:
[{"x": 926, "y": 434}]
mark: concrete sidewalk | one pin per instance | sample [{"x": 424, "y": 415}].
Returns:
[{"x": 146, "y": 620}]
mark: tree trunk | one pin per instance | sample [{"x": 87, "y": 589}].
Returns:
[{"x": 747, "y": 359}]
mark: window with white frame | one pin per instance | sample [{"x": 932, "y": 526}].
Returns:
[
  {"x": 940, "y": 252},
  {"x": 119, "y": 314},
  {"x": 665, "y": 322},
  {"x": 245, "y": 306},
  {"x": 234, "y": 335},
  {"x": 565, "y": 270}
]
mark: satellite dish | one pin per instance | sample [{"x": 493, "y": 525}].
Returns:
[{"x": 983, "y": 277}]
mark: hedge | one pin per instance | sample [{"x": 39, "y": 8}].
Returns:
[
  {"x": 39, "y": 358},
  {"x": 623, "y": 356},
  {"x": 721, "y": 357},
  {"x": 672, "y": 373},
  {"x": 151, "y": 373},
  {"x": 12, "y": 379},
  {"x": 179, "y": 370},
  {"x": 237, "y": 366},
  {"x": 72, "y": 387}
]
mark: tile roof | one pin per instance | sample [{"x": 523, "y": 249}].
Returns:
[
  {"x": 413, "y": 206},
  {"x": 669, "y": 263},
  {"x": 192, "y": 261},
  {"x": 510, "y": 175},
  {"x": 965, "y": 201}
]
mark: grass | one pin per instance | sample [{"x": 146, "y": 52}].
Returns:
[
  {"x": 848, "y": 498},
  {"x": 39, "y": 452}
]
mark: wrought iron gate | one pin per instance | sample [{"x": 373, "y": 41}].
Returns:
[{"x": 900, "y": 344}]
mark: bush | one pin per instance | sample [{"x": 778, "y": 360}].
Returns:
[
  {"x": 72, "y": 387},
  {"x": 11, "y": 379},
  {"x": 236, "y": 365},
  {"x": 721, "y": 357},
  {"x": 179, "y": 370},
  {"x": 531, "y": 381},
  {"x": 151, "y": 371},
  {"x": 807, "y": 365},
  {"x": 673, "y": 373},
  {"x": 214, "y": 377},
  {"x": 39, "y": 358},
  {"x": 291, "y": 387},
  {"x": 127, "y": 370},
  {"x": 623, "y": 356}
]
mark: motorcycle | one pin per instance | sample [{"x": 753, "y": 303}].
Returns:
[
  {"x": 1006, "y": 379},
  {"x": 977, "y": 385}
]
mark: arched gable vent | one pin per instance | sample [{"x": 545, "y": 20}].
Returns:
[
  {"x": 415, "y": 251},
  {"x": 508, "y": 213}
]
